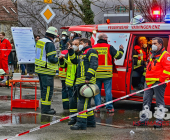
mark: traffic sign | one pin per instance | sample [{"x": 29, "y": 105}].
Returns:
[
  {"x": 48, "y": 14},
  {"x": 47, "y": 1}
]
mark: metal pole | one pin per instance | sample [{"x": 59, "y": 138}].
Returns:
[
  {"x": 46, "y": 26},
  {"x": 131, "y": 9}
]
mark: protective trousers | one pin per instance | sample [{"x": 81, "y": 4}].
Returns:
[
  {"x": 72, "y": 101},
  {"x": 65, "y": 98},
  {"x": 4, "y": 64},
  {"x": 140, "y": 71},
  {"x": 46, "y": 86},
  {"x": 87, "y": 118},
  {"x": 159, "y": 93}
]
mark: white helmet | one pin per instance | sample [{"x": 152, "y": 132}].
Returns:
[
  {"x": 137, "y": 20},
  {"x": 64, "y": 33},
  {"x": 2, "y": 72},
  {"x": 78, "y": 32},
  {"x": 89, "y": 90},
  {"x": 52, "y": 30}
]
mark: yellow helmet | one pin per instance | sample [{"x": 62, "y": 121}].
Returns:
[{"x": 52, "y": 30}]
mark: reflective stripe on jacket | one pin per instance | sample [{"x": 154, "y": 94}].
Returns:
[
  {"x": 62, "y": 71},
  {"x": 71, "y": 72},
  {"x": 87, "y": 65},
  {"x": 140, "y": 56},
  {"x": 106, "y": 54},
  {"x": 42, "y": 64},
  {"x": 158, "y": 68}
]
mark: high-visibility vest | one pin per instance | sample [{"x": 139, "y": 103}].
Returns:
[
  {"x": 41, "y": 58},
  {"x": 142, "y": 56},
  {"x": 71, "y": 72},
  {"x": 62, "y": 71},
  {"x": 105, "y": 61},
  {"x": 158, "y": 69}
]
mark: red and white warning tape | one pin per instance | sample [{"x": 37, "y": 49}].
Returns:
[{"x": 90, "y": 109}]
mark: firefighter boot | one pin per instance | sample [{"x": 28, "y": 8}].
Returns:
[
  {"x": 81, "y": 124},
  {"x": 45, "y": 109},
  {"x": 73, "y": 120},
  {"x": 158, "y": 124},
  {"x": 91, "y": 121}
]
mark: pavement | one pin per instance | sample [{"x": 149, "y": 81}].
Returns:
[{"x": 117, "y": 125}]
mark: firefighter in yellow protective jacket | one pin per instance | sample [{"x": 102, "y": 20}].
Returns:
[
  {"x": 70, "y": 79},
  {"x": 87, "y": 63},
  {"x": 46, "y": 64},
  {"x": 62, "y": 75}
]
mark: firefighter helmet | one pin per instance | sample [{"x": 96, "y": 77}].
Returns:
[
  {"x": 137, "y": 20},
  {"x": 78, "y": 32},
  {"x": 89, "y": 90},
  {"x": 52, "y": 30},
  {"x": 2, "y": 72},
  {"x": 64, "y": 33}
]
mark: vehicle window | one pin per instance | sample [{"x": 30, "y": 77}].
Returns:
[{"x": 116, "y": 39}]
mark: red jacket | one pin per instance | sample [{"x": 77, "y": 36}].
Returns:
[
  {"x": 142, "y": 55},
  {"x": 63, "y": 71},
  {"x": 158, "y": 69},
  {"x": 5, "y": 49},
  {"x": 104, "y": 56}
]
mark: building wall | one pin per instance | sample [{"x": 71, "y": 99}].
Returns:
[{"x": 6, "y": 27}]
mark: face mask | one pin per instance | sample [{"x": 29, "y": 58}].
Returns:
[
  {"x": 63, "y": 38},
  {"x": 75, "y": 47},
  {"x": 81, "y": 47},
  {"x": 154, "y": 48},
  {"x": 72, "y": 34},
  {"x": 144, "y": 45}
]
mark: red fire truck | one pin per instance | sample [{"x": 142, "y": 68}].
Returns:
[{"x": 127, "y": 34}]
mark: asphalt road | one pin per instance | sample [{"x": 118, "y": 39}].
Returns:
[{"x": 116, "y": 125}]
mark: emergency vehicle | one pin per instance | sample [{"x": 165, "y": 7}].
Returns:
[{"x": 127, "y": 34}]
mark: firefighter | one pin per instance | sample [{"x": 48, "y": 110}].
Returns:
[
  {"x": 140, "y": 56},
  {"x": 5, "y": 49},
  {"x": 87, "y": 63},
  {"x": 158, "y": 70},
  {"x": 76, "y": 35},
  {"x": 62, "y": 75},
  {"x": 64, "y": 40},
  {"x": 46, "y": 64},
  {"x": 70, "y": 79},
  {"x": 104, "y": 74}
]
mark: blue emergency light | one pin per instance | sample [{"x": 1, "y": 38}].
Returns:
[{"x": 167, "y": 18}]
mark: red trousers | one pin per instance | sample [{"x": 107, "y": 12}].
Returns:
[{"x": 4, "y": 65}]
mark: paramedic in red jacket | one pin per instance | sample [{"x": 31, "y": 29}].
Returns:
[
  {"x": 5, "y": 49},
  {"x": 140, "y": 56},
  {"x": 157, "y": 71}
]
